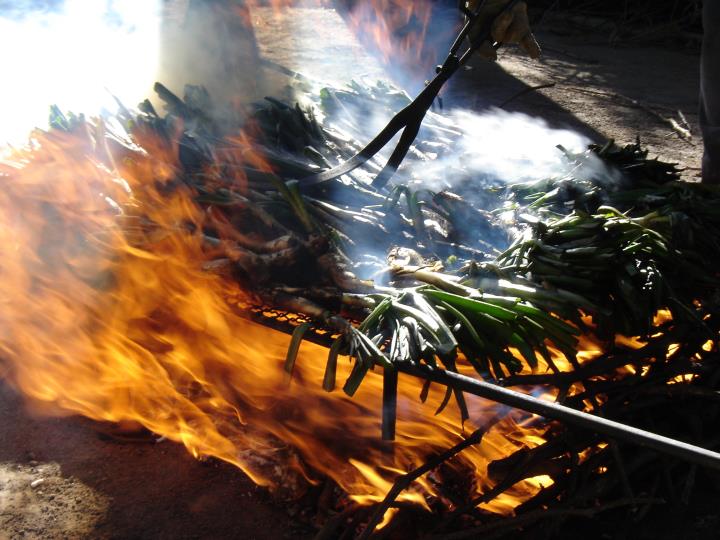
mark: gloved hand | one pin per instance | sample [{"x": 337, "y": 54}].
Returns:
[{"x": 513, "y": 26}]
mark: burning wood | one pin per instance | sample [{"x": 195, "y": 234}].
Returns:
[{"x": 136, "y": 250}]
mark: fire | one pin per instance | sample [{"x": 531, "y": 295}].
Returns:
[
  {"x": 394, "y": 26},
  {"x": 411, "y": 36},
  {"x": 109, "y": 313},
  {"x": 397, "y": 29}
]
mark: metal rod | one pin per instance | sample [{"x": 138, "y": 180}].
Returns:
[
  {"x": 389, "y": 406},
  {"x": 555, "y": 411}
]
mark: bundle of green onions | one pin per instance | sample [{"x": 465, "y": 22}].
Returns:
[
  {"x": 629, "y": 248},
  {"x": 617, "y": 247},
  {"x": 618, "y": 238}
]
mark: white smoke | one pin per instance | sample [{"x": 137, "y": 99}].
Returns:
[
  {"x": 508, "y": 147},
  {"x": 514, "y": 146},
  {"x": 73, "y": 53}
]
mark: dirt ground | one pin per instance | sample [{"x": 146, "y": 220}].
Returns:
[
  {"x": 66, "y": 478},
  {"x": 601, "y": 91}
]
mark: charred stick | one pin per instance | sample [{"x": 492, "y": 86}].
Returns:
[
  {"x": 603, "y": 485},
  {"x": 595, "y": 368},
  {"x": 334, "y": 525},
  {"x": 525, "y": 91},
  {"x": 532, "y": 462},
  {"x": 359, "y": 515},
  {"x": 526, "y": 464},
  {"x": 553, "y": 411},
  {"x": 498, "y": 528},
  {"x": 619, "y": 392},
  {"x": 404, "y": 481}
]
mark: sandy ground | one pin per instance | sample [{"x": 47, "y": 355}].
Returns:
[
  {"x": 600, "y": 91},
  {"x": 65, "y": 478}
]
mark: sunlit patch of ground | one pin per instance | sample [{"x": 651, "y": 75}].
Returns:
[{"x": 37, "y": 501}]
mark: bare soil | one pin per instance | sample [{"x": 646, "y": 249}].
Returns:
[
  {"x": 68, "y": 478},
  {"x": 71, "y": 478},
  {"x": 602, "y": 91}
]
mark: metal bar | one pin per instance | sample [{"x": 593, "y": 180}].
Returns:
[
  {"x": 555, "y": 411},
  {"x": 389, "y": 404}
]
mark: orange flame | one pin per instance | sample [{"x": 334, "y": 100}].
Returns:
[
  {"x": 394, "y": 27},
  {"x": 107, "y": 312},
  {"x": 405, "y": 33}
]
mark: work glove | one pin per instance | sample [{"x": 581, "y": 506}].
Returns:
[{"x": 512, "y": 26}]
